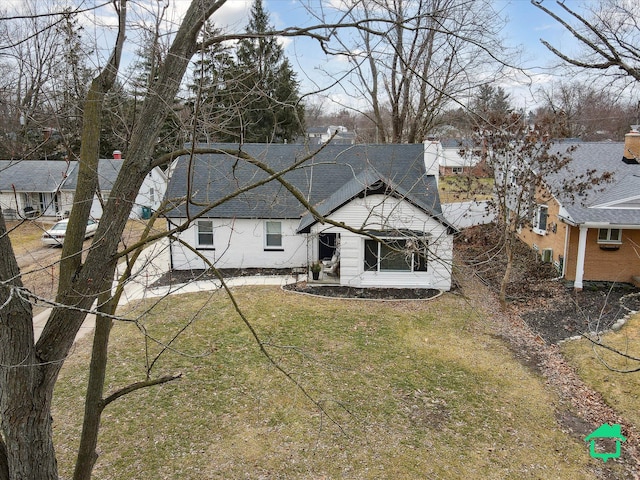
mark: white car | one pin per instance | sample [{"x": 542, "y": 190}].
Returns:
[{"x": 55, "y": 235}]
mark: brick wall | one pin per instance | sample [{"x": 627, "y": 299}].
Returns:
[
  {"x": 554, "y": 237},
  {"x": 603, "y": 264}
]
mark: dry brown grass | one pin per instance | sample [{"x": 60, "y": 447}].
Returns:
[
  {"x": 620, "y": 390},
  {"x": 462, "y": 188},
  {"x": 39, "y": 263},
  {"x": 413, "y": 390}
]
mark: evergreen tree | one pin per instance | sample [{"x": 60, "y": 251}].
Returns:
[
  {"x": 257, "y": 97},
  {"x": 492, "y": 100},
  {"x": 214, "y": 93}
]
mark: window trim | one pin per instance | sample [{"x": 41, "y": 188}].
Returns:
[
  {"x": 538, "y": 216},
  {"x": 201, "y": 245},
  {"x": 277, "y": 247},
  {"x": 377, "y": 255},
  {"x": 608, "y": 240}
]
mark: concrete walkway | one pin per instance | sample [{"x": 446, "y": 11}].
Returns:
[{"x": 154, "y": 262}]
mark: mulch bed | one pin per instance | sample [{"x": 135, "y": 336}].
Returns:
[
  {"x": 549, "y": 305},
  {"x": 364, "y": 293}
]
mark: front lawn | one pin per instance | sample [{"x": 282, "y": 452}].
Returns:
[
  {"x": 464, "y": 188},
  {"x": 408, "y": 390}
]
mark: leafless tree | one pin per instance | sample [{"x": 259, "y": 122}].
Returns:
[
  {"x": 45, "y": 82},
  {"x": 583, "y": 111},
  {"x": 527, "y": 169},
  {"x": 411, "y": 58},
  {"x": 608, "y": 32}
]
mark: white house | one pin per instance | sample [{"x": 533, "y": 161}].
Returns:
[
  {"x": 455, "y": 157},
  {"x": 387, "y": 228},
  {"x": 47, "y": 187},
  {"x": 338, "y": 135}
]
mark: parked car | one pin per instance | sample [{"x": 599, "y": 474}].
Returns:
[{"x": 55, "y": 235}]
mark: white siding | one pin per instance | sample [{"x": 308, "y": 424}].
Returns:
[
  {"x": 378, "y": 212},
  {"x": 468, "y": 214},
  {"x": 151, "y": 192},
  {"x": 8, "y": 202},
  {"x": 240, "y": 243}
]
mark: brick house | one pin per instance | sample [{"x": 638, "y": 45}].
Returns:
[{"x": 593, "y": 236}]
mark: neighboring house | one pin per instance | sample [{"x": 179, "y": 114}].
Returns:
[
  {"x": 385, "y": 191},
  {"x": 457, "y": 157},
  {"x": 33, "y": 187},
  {"x": 341, "y": 135},
  {"x": 595, "y": 235},
  {"x": 48, "y": 187}
]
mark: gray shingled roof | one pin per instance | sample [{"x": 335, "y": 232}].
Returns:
[
  {"x": 600, "y": 157},
  {"x": 331, "y": 178},
  {"x": 47, "y": 175},
  {"x": 108, "y": 169},
  {"x": 33, "y": 175}
]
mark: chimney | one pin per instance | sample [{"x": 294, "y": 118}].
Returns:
[
  {"x": 117, "y": 154},
  {"x": 632, "y": 145}
]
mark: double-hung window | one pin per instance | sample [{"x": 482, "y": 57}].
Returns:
[
  {"x": 205, "y": 233},
  {"x": 610, "y": 235},
  {"x": 540, "y": 219},
  {"x": 395, "y": 255},
  {"x": 273, "y": 235}
]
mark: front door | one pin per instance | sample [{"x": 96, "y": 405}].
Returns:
[{"x": 328, "y": 243}]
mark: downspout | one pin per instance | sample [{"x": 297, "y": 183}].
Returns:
[
  {"x": 565, "y": 254},
  {"x": 170, "y": 246},
  {"x": 582, "y": 243}
]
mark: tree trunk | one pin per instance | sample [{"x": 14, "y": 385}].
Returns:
[
  {"x": 28, "y": 372},
  {"x": 25, "y": 397},
  {"x": 93, "y": 407},
  {"x": 508, "y": 247}
]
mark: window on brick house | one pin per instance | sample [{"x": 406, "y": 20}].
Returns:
[{"x": 540, "y": 219}]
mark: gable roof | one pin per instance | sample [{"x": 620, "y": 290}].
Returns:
[
  {"x": 52, "y": 175},
  {"x": 33, "y": 175},
  {"x": 615, "y": 202},
  {"x": 335, "y": 175},
  {"x": 108, "y": 170}
]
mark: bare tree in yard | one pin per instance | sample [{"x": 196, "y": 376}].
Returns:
[
  {"x": 581, "y": 110},
  {"x": 523, "y": 160},
  {"x": 29, "y": 369},
  {"x": 45, "y": 81},
  {"x": 412, "y": 58}
]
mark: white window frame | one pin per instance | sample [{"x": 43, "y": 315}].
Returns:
[
  {"x": 379, "y": 256},
  {"x": 207, "y": 230},
  {"x": 537, "y": 219},
  {"x": 272, "y": 239},
  {"x": 608, "y": 237}
]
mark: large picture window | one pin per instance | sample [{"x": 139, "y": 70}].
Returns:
[
  {"x": 273, "y": 235},
  {"x": 205, "y": 233},
  {"x": 395, "y": 255}
]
